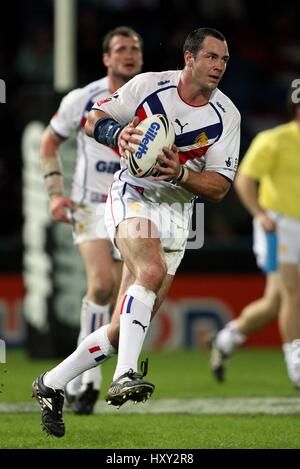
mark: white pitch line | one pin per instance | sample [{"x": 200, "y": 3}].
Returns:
[{"x": 205, "y": 406}]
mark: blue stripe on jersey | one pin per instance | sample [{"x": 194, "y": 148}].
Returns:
[
  {"x": 188, "y": 138},
  {"x": 129, "y": 305},
  {"x": 82, "y": 140},
  {"x": 93, "y": 322},
  {"x": 89, "y": 105},
  {"x": 154, "y": 102},
  {"x": 124, "y": 189},
  {"x": 220, "y": 117},
  {"x": 100, "y": 358}
]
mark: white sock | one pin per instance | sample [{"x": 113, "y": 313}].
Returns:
[
  {"x": 94, "y": 349},
  {"x": 92, "y": 317},
  {"x": 229, "y": 338},
  {"x": 291, "y": 351},
  {"x": 134, "y": 322}
]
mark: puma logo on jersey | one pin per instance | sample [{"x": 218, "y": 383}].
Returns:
[
  {"x": 140, "y": 324},
  {"x": 177, "y": 121}
]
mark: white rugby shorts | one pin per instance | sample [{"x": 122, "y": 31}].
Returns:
[
  {"x": 88, "y": 224},
  {"x": 126, "y": 201},
  {"x": 288, "y": 240}
]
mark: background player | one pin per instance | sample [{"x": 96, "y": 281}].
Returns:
[
  {"x": 273, "y": 161},
  {"x": 95, "y": 166}
]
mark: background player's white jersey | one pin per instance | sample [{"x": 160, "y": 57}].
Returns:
[
  {"x": 207, "y": 136},
  {"x": 95, "y": 164}
]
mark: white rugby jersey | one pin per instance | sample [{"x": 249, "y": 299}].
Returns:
[
  {"x": 207, "y": 137},
  {"x": 95, "y": 163}
]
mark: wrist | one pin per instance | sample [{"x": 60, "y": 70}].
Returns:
[
  {"x": 183, "y": 175},
  {"x": 53, "y": 175},
  {"x": 107, "y": 131}
]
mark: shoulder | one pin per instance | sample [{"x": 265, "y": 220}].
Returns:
[
  {"x": 272, "y": 135},
  {"x": 281, "y": 131},
  {"x": 80, "y": 96},
  {"x": 225, "y": 106},
  {"x": 97, "y": 86},
  {"x": 156, "y": 79}
]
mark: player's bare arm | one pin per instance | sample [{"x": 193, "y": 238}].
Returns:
[
  {"x": 124, "y": 135},
  {"x": 209, "y": 185},
  {"x": 246, "y": 188},
  {"x": 53, "y": 176}
]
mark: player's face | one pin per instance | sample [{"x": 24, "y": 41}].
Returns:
[
  {"x": 210, "y": 63},
  {"x": 125, "y": 58}
]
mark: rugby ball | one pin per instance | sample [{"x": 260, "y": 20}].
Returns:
[{"x": 158, "y": 132}]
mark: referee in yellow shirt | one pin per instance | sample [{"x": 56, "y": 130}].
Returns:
[{"x": 268, "y": 184}]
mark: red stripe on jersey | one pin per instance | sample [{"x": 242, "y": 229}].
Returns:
[
  {"x": 121, "y": 311},
  {"x": 94, "y": 349},
  {"x": 111, "y": 207},
  {"x": 116, "y": 150},
  {"x": 192, "y": 154},
  {"x": 83, "y": 121},
  {"x": 141, "y": 114}
]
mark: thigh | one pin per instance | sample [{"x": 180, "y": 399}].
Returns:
[
  {"x": 97, "y": 258},
  {"x": 139, "y": 243},
  {"x": 290, "y": 277}
]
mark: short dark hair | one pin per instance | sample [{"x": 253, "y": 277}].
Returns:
[
  {"x": 193, "y": 42},
  {"x": 119, "y": 31}
]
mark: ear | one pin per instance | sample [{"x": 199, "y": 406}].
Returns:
[
  {"x": 189, "y": 59},
  {"x": 105, "y": 59}
]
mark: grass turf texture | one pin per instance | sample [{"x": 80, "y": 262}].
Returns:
[{"x": 179, "y": 374}]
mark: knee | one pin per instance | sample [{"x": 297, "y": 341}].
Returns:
[
  {"x": 273, "y": 304},
  {"x": 101, "y": 292},
  {"x": 152, "y": 275}
]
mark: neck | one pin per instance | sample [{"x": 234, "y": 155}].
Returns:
[
  {"x": 115, "y": 83},
  {"x": 190, "y": 91}
]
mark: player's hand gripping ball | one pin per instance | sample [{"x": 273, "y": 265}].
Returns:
[{"x": 158, "y": 132}]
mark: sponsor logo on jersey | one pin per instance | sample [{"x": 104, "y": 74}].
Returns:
[
  {"x": 149, "y": 136},
  {"x": 107, "y": 167},
  {"x": 201, "y": 139},
  {"x": 135, "y": 206},
  {"x": 228, "y": 162},
  {"x": 103, "y": 101},
  {"x": 220, "y": 106},
  {"x": 163, "y": 82},
  {"x": 97, "y": 197}
]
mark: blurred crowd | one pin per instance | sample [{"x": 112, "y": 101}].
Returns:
[{"x": 263, "y": 42}]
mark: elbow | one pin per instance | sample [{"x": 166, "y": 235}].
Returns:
[
  {"x": 216, "y": 198},
  {"x": 218, "y": 195},
  {"x": 89, "y": 128}
]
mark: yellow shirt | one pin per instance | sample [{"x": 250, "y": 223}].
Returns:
[{"x": 273, "y": 159}]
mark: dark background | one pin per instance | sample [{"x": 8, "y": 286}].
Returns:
[{"x": 264, "y": 45}]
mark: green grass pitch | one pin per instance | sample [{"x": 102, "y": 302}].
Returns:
[{"x": 251, "y": 373}]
